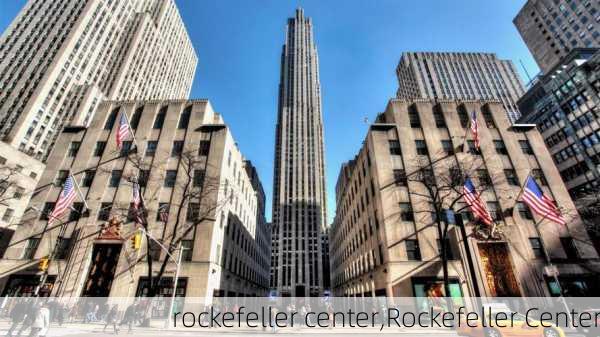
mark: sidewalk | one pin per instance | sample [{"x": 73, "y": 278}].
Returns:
[{"x": 158, "y": 327}]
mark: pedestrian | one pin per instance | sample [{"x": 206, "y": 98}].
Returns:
[
  {"x": 17, "y": 315},
  {"x": 129, "y": 317},
  {"x": 40, "y": 322},
  {"x": 30, "y": 311},
  {"x": 111, "y": 318}
]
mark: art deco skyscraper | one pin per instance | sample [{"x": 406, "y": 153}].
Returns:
[
  {"x": 299, "y": 184},
  {"x": 62, "y": 56},
  {"x": 460, "y": 76}
]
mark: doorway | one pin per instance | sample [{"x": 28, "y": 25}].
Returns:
[
  {"x": 498, "y": 270},
  {"x": 102, "y": 270}
]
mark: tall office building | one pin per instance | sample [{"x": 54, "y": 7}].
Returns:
[
  {"x": 299, "y": 180},
  {"x": 62, "y": 56},
  {"x": 565, "y": 104},
  {"x": 462, "y": 76},
  {"x": 552, "y": 28}
]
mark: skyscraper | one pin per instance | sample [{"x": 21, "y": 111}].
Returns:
[
  {"x": 551, "y": 29},
  {"x": 62, "y": 56},
  {"x": 460, "y": 76},
  {"x": 299, "y": 179}
]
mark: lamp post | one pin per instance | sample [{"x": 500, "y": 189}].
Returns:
[{"x": 172, "y": 305}]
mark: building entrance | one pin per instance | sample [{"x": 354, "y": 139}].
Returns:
[{"x": 102, "y": 270}]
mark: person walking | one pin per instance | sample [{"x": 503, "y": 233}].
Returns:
[
  {"x": 41, "y": 321},
  {"x": 17, "y": 315},
  {"x": 111, "y": 318},
  {"x": 129, "y": 317}
]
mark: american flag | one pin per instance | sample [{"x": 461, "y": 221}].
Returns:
[
  {"x": 136, "y": 203},
  {"x": 65, "y": 199},
  {"x": 475, "y": 203},
  {"x": 123, "y": 130},
  {"x": 540, "y": 203},
  {"x": 163, "y": 213},
  {"x": 475, "y": 129}
]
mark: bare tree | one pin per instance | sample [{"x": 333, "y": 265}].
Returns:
[
  {"x": 440, "y": 184},
  {"x": 194, "y": 200}
]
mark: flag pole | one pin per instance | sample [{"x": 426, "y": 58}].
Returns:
[
  {"x": 79, "y": 192},
  {"x": 130, "y": 129},
  {"x": 466, "y": 134}
]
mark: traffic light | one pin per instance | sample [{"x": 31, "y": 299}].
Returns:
[
  {"x": 43, "y": 265},
  {"x": 136, "y": 241}
]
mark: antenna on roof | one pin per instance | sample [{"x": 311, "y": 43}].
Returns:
[{"x": 525, "y": 70}]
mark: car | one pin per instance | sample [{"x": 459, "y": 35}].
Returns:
[{"x": 593, "y": 331}]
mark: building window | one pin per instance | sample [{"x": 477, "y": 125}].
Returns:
[
  {"x": 511, "y": 177},
  {"x": 536, "y": 247},
  {"x": 155, "y": 251},
  {"x": 406, "y": 212},
  {"x": 464, "y": 118},
  {"x": 525, "y": 146},
  {"x": 8, "y": 214},
  {"x": 184, "y": 118},
  {"x": 88, "y": 178},
  {"x": 193, "y": 211},
  {"x": 412, "y": 250},
  {"x": 160, "y": 118},
  {"x": 125, "y": 148},
  {"x": 115, "y": 178},
  {"x": 569, "y": 247},
  {"x": 110, "y": 121},
  {"x": 135, "y": 119},
  {"x": 188, "y": 250},
  {"x": 177, "y": 148},
  {"x": 472, "y": 148},
  {"x": 104, "y": 212},
  {"x": 413, "y": 117},
  {"x": 74, "y": 148},
  {"x": 538, "y": 175},
  {"x": 439, "y": 119},
  {"x": 32, "y": 245},
  {"x": 447, "y": 147},
  {"x": 76, "y": 211},
  {"x": 489, "y": 120},
  {"x": 162, "y": 213},
  {"x": 421, "y": 147},
  {"x": 495, "y": 211},
  {"x": 143, "y": 177},
  {"x": 19, "y": 192},
  {"x": 524, "y": 211},
  {"x": 198, "y": 178},
  {"x": 500, "y": 147},
  {"x": 48, "y": 207},
  {"x": 484, "y": 178},
  {"x": 447, "y": 248},
  {"x": 151, "y": 148},
  {"x": 170, "y": 178},
  {"x": 99, "y": 149},
  {"x": 204, "y": 148},
  {"x": 400, "y": 177},
  {"x": 61, "y": 177},
  {"x": 395, "y": 148},
  {"x": 63, "y": 246}
]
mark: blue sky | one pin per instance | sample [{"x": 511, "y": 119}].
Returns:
[{"x": 359, "y": 43}]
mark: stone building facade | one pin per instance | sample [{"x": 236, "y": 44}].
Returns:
[
  {"x": 196, "y": 186},
  {"x": 385, "y": 237}
]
